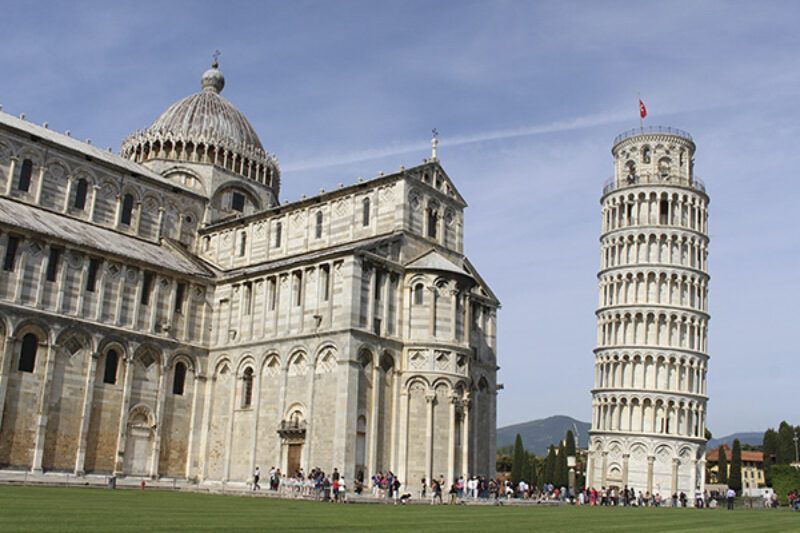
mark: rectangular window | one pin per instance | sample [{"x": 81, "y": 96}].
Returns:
[
  {"x": 325, "y": 279},
  {"x": 298, "y": 288},
  {"x": 180, "y": 294},
  {"x": 52, "y": 263},
  {"x": 378, "y": 284},
  {"x": 278, "y": 228},
  {"x": 147, "y": 285},
  {"x": 11, "y": 253},
  {"x": 237, "y": 202},
  {"x": 91, "y": 278},
  {"x": 272, "y": 293},
  {"x": 247, "y": 298}
]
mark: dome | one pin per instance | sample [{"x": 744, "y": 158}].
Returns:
[
  {"x": 207, "y": 113},
  {"x": 206, "y": 128}
]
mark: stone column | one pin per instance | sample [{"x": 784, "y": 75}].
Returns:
[
  {"x": 453, "y": 320},
  {"x": 40, "y": 184},
  {"x": 10, "y": 181},
  {"x": 306, "y": 458},
  {"x": 256, "y": 410},
  {"x": 120, "y": 295},
  {"x": 6, "y": 369},
  {"x": 675, "y": 464},
  {"x": 465, "y": 439},
  {"x": 138, "y": 218},
  {"x": 625, "y": 459},
  {"x": 371, "y": 298},
  {"x": 451, "y": 443},
  {"x": 159, "y": 429},
  {"x": 123, "y": 416},
  {"x": 43, "y": 411},
  {"x": 590, "y": 468},
  {"x": 434, "y": 294},
  {"x": 101, "y": 291},
  {"x": 405, "y": 399},
  {"x": 430, "y": 397},
  {"x": 372, "y": 453},
  {"x": 207, "y": 404},
  {"x": 117, "y": 210},
  {"x": 160, "y": 223},
  {"x": 93, "y": 202},
  {"x": 604, "y": 471},
  {"x": 226, "y": 467},
  {"x": 467, "y": 320},
  {"x": 395, "y": 416},
  {"x": 650, "y": 460},
  {"x": 86, "y": 413},
  {"x": 197, "y": 379},
  {"x": 67, "y": 194}
]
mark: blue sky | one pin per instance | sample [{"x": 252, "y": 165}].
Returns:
[{"x": 527, "y": 97}]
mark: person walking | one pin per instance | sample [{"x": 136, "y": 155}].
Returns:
[{"x": 256, "y": 477}]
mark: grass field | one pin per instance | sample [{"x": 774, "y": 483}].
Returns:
[{"x": 87, "y": 510}]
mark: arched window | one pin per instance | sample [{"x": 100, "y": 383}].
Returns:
[
  {"x": 318, "y": 231},
  {"x": 80, "y": 194},
  {"x": 179, "y": 379},
  {"x": 247, "y": 388},
  {"x": 646, "y": 154},
  {"x": 27, "y": 355},
  {"x": 110, "y": 373},
  {"x": 127, "y": 209},
  {"x": 433, "y": 221},
  {"x": 418, "y": 294},
  {"x": 25, "y": 175},
  {"x": 365, "y": 212}
]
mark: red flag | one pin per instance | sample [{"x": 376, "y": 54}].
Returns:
[{"x": 642, "y": 109}]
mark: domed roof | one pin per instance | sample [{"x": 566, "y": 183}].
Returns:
[{"x": 209, "y": 114}]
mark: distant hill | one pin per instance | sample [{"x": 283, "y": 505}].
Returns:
[
  {"x": 748, "y": 437},
  {"x": 538, "y": 435}
]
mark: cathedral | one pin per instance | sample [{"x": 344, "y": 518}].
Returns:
[{"x": 165, "y": 315}]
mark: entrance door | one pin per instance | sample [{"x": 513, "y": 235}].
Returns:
[{"x": 293, "y": 462}]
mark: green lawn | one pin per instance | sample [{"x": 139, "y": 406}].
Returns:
[{"x": 86, "y": 510}]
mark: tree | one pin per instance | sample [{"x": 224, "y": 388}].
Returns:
[
  {"x": 570, "y": 447},
  {"x": 735, "y": 477},
  {"x": 533, "y": 467},
  {"x": 517, "y": 461},
  {"x": 770, "y": 448},
  {"x": 561, "y": 474},
  {"x": 708, "y": 434},
  {"x": 549, "y": 465},
  {"x": 785, "y": 452},
  {"x": 722, "y": 471}
]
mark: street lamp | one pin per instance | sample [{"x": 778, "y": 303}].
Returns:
[{"x": 796, "y": 458}]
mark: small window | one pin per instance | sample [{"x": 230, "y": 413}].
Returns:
[
  {"x": 52, "y": 263},
  {"x": 91, "y": 278},
  {"x": 237, "y": 202},
  {"x": 325, "y": 280},
  {"x": 242, "y": 243},
  {"x": 272, "y": 293},
  {"x": 179, "y": 379},
  {"x": 147, "y": 285},
  {"x": 27, "y": 355},
  {"x": 127, "y": 210},
  {"x": 378, "y": 284},
  {"x": 80, "y": 194},
  {"x": 365, "y": 212},
  {"x": 298, "y": 288},
  {"x": 25, "y": 175},
  {"x": 318, "y": 231},
  {"x": 247, "y": 298},
  {"x": 11, "y": 253},
  {"x": 278, "y": 228},
  {"x": 646, "y": 154},
  {"x": 247, "y": 388},
  {"x": 180, "y": 295},
  {"x": 664, "y": 211},
  {"x": 418, "y": 294},
  {"x": 110, "y": 373}
]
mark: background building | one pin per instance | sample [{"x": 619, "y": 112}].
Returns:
[
  {"x": 752, "y": 466},
  {"x": 649, "y": 399},
  {"x": 163, "y": 315}
]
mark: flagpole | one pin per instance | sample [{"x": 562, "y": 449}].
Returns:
[{"x": 641, "y": 119}]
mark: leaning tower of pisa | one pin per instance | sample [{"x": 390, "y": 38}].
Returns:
[{"x": 649, "y": 397}]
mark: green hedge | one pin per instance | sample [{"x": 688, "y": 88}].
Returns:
[{"x": 785, "y": 479}]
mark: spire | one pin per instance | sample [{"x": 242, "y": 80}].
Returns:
[{"x": 434, "y": 144}]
